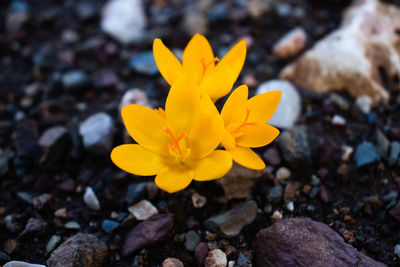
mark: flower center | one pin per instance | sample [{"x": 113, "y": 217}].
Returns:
[
  {"x": 235, "y": 129},
  {"x": 177, "y": 147},
  {"x": 205, "y": 64}
]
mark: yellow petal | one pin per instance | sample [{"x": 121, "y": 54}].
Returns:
[
  {"x": 247, "y": 158},
  {"x": 214, "y": 166},
  {"x": 168, "y": 65},
  {"x": 217, "y": 84},
  {"x": 146, "y": 126},
  {"x": 257, "y": 135},
  {"x": 234, "y": 110},
  {"x": 173, "y": 179},
  {"x": 228, "y": 141},
  {"x": 263, "y": 106},
  {"x": 197, "y": 50},
  {"x": 137, "y": 160},
  {"x": 182, "y": 106},
  {"x": 207, "y": 105},
  {"x": 234, "y": 59},
  {"x": 205, "y": 135}
]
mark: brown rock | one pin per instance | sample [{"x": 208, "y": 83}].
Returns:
[
  {"x": 12, "y": 246},
  {"x": 374, "y": 201},
  {"x": 80, "y": 250},
  {"x": 304, "y": 242},
  {"x": 239, "y": 181},
  {"x": 147, "y": 233},
  {"x": 351, "y": 56},
  {"x": 291, "y": 44},
  {"x": 43, "y": 202},
  {"x": 290, "y": 193},
  {"x": 216, "y": 258}
]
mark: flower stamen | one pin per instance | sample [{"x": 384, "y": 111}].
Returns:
[
  {"x": 174, "y": 145},
  {"x": 245, "y": 123},
  {"x": 206, "y": 65}
]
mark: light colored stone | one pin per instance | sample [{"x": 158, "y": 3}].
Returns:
[
  {"x": 347, "y": 151},
  {"x": 350, "y": 57},
  {"x": 97, "y": 133},
  {"x": 172, "y": 262},
  {"x": 134, "y": 96},
  {"x": 290, "y": 206},
  {"x": 291, "y": 44},
  {"x": 125, "y": 20},
  {"x": 397, "y": 250},
  {"x": 72, "y": 225},
  {"x": 61, "y": 213},
  {"x": 338, "y": 120},
  {"x": 91, "y": 199},
  {"x": 289, "y": 107},
  {"x": 143, "y": 210},
  {"x": 283, "y": 173},
  {"x": 216, "y": 258},
  {"x": 21, "y": 264},
  {"x": 277, "y": 215},
  {"x": 52, "y": 243},
  {"x": 364, "y": 103},
  {"x": 198, "y": 200}
]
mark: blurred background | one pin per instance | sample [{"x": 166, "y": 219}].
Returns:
[{"x": 67, "y": 68}]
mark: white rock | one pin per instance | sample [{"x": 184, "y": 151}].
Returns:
[
  {"x": 283, "y": 173},
  {"x": 350, "y": 57},
  {"x": 72, "y": 225},
  {"x": 90, "y": 199},
  {"x": 21, "y": 264},
  {"x": 290, "y": 206},
  {"x": 143, "y": 210},
  {"x": 51, "y": 245},
  {"x": 338, "y": 120},
  {"x": 364, "y": 103},
  {"x": 198, "y": 200},
  {"x": 231, "y": 264},
  {"x": 134, "y": 96},
  {"x": 347, "y": 151},
  {"x": 277, "y": 215},
  {"x": 291, "y": 44},
  {"x": 397, "y": 250},
  {"x": 124, "y": 20},
  {"x": 216, "y": 258},
  {"x": 97, "y": 133},
  {"x": 289, "y": 108}
]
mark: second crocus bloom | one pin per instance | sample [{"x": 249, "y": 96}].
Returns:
[
  {"x": 210, "y": 75},
  {"x": 245, "y": 125}
]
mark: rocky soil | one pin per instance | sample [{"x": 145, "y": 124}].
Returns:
[{"x": 330, "y": 192}]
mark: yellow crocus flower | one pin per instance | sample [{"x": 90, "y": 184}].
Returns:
[
  {"x": 245, "y": 125},
  {"x": 199, "y": 64},
  {"x": 178, "y": 144}
]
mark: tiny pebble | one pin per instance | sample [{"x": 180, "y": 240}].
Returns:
[
  {"x": 338, "y": 120},
  {"x": 290, "y": 206},
  {"x": 143, "y": 210},
  {"x": 72, "y": 225},
  {"x": 90, "y": 199},
  {"x": 277, "y": 215},
  {"x": 283, "y": 173}
]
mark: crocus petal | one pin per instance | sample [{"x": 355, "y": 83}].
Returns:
[
  {"x": 168, "y": 65},
  {"x": 257, "y": 135},
  {"x": 137, "y": 160},
  {"x": 214, "y": 166},
  {"x": 173, "y": 179},
  {"x": 217, "y": 84},
  {"x": 197, "y": 50},
  {"x": 207, "y": 105},
  {"x": 234, "y": 110},
  {"x": 205, "y": 135},
  {"x": 182, "y": 106},
  {"x": 234, "y": 59},
  {"x": 263, "y": 106},
  {"x": 247, "y": 158},
  {"x": 146, "y": 126},
  {"x": 228, "y": 141}
]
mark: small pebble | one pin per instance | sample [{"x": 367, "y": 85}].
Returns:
[
  {"x": 109, "y": 226},
  {"x": 364, "y": 103},
  {"x": 397, "y": 250},
  {"x": 347, "y": 151},
  {"x": 172, "y": 262},
  {"x": 143, "y": 210},
  {"x": 290, "y": 206},
  {"x": 338, "y": 120},
  {"x": 277, "y": 215},
  {"x": 90, "y": 199},
  {"x": 216, "y": 258},
  {"x": 61, "y": 213},
  {"x": 72, "y": 225},
  {"x": 283, "y": 173},
  {"x": 21, "y": 264},
  {"x": 192, "y": 239},
  {"x": 198, "y": 200},
  {"x": 52, "y": 243}
]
